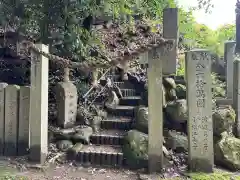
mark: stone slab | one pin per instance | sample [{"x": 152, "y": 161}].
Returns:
[
  {"x": 199, "y": 99},
  {"x": 236, "y": 95},
  {"x": 2, "y": 115},
  {"x": 23, "y": 131},
  {"x": 39, "y": 106},
  {"x": 220, "y": 102},
  {"x": 170, "y": 31},
  {"x": 229, "y": 48},
  {"x": 155, "y": 124},
  {"x": 11, "y": 120},
  {"x": 67, "y": 97}
]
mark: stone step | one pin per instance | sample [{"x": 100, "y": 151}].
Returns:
[
  {"x": 124, "y": 85},
  {"x": 122, "y": 110},
  {"x": 121, "y": 123},
  {"x": 128, "y": 92},
  {"x": 108, "y": 137},
  {"x": 98, "y": 155},
  {"x": 130, "y": 100},
  {"x": 114, "y": 77},
  {"x": 121, "y": 84}
]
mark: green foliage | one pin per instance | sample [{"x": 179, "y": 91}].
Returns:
[
  {"x": 218, "y": 86},
  {"x": 59, "y": 22},
  {"x": 181, "y": 68}
]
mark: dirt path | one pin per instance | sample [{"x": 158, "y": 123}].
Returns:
[{"x": 67, "y": 172}]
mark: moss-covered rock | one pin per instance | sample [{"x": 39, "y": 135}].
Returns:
[
  {"x": 181, "y": 91},
  {"x": 218, "y": 87},
  {"x": 135, "y": 149},
  {"x": 223, "y": 120},
  {"x": 141, "y": 114},
  {"x": 227, "y": 152}
]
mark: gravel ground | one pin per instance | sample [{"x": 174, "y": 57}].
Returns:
[
  {"x": 68, "y": 172},
  {"x": 9, "y": 167}
]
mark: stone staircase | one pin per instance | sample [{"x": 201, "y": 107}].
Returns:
[{"x": 106, "y": 145}]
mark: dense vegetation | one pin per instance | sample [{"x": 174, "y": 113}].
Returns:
[{"x": 64, "y": 24}]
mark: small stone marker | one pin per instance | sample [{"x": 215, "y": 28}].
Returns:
[
  {"x": 155, "y": 123},
  {"x": 23, "y": 130},
  {"x": 2, "y": 115},
  {"x": 236, "y": 95},
  {"x": 11, "y": 120},
  {"x": 66, "y": 96},
  {"x": 199, "y": 99},
  {"x": 39, "y": 106},
  {"x": 170, "y": 31},
  {"x": 229, "y": 48}
]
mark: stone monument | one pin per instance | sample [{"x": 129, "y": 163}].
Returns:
[
  {"x": 67, "y": 97},
  {"x": 199, "y": 101}
]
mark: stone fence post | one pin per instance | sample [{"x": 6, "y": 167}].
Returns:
[
  {"x": 155, "y": 123},
  {"x": 170, "y": 31},
  {"x": 199, "y": 101},
  {"x": 229, "y": 47},
  {"x": 39, "y": 106},
  {"x": 236, "y": 95}
]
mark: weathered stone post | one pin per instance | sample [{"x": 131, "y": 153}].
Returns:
[
  {"x": 2, "y": 115},
  {"x": 66, "y": 96},
  {"x": 11, "y": 120},
  {"x": 39, "y": 106},
  {"x": 236, "y": 95},
  {"x": 23, "y": 124},
  {"x": 229, "y": 48},
  {"x": 155, "y": 123},
  {"x": 170, "y": 31},
  {"x": 236, "y": 73},
  {"x": 199, "y": 101}
]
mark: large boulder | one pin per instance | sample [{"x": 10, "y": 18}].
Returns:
[
  {"x": 169, "y": 83},
  {"x": 135, "y": 149},
  {"x": 227, "y": 152},
  {"x": 141, "y": 118},
  {"x": 177, "y": 110},
  {"x": 181, "y": 91},
  {"x": 170, "y": 95},
  {"x": 223, "y": 120},
  {"x": 176, "y": 141},
  {"x": 141, "y": 114}
]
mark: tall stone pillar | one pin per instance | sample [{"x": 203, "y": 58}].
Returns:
[{"x": 38, "y": 116}]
